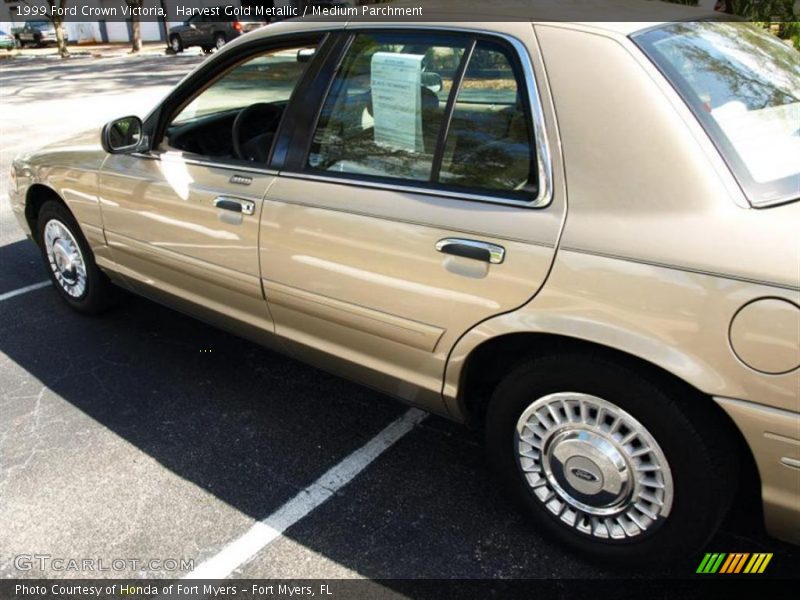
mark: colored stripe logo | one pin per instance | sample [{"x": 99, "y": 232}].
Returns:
[{"x": 735, "y": 562}]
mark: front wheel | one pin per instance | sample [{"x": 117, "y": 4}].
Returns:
[
  {"x": 620, "y": 466},
  {"x": 70, "y": 262}
]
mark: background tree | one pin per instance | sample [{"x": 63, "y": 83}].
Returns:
[
  {"x": 136, "y": 24},
  {"x": 781, "y": 17},
  {"x": 58, "y": 23}
]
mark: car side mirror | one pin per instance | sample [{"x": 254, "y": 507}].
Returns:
[
  {"x": 122, "y": 136},
  {"x": 304, "y": 55}
]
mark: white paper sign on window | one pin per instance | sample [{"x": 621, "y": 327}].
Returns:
[{"x": 396, "y": 100}]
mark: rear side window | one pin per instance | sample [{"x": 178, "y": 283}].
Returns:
[
  {"x": 488, "y": 144},
  {"x": 386, "y": 107},
  {"x": 440, "y": 109}
]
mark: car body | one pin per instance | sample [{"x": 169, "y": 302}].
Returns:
[
  {"x": 7, "y": 41},
  {"x": 38, "y": 33},
  {"x": 209, "y": 31},
  {"x": 578, "y": 261}
]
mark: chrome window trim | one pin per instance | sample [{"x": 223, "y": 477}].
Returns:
[
  {"x": 544, "y": 162},
  {"x": 210, "y": 163},
  {"x": 425, "y": 191}
]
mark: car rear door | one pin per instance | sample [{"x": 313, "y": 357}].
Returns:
[
  {"x": 206, "y": 29},
  {"x": 416, "y": 200},
  {"x": 191, "y": 33}
]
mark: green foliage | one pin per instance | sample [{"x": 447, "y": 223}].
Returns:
[
  {"x": 763, "y": 10},
  {"x": 779, "y": 16}
]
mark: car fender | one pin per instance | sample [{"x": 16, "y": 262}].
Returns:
[{"x": 672, "y": 318}]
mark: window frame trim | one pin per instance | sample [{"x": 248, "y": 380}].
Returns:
[{"x": 539, "y": 135}]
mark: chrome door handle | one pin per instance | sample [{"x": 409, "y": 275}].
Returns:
[
  {"x": 491, "y": 253},
  {"x": 246, "y": 207}
]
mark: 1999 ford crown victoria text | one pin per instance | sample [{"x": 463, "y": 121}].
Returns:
[{"x": 579, "y": 237}]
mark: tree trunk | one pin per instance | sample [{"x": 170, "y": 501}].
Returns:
[
  {"x": 136, "y": 30},
  {"x": 58, "y": 23}
]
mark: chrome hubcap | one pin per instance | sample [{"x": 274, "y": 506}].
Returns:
[
  {"x": 176, "y": 45},
  {"x": 593, "y": 465},
  {"x": 220, "y": 42},
  {"x": 65, "y": 258}
]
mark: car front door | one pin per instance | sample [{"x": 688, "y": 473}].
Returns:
[
  {"x": 182, "y": 220},
  {"x": 421, "y": 202}
]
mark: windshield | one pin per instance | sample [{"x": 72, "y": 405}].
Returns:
[
  {"x": 743, "y": 84},
  {"x": 40, "y": 24}
]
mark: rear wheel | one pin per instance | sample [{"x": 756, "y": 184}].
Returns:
[
  {"x": 70, "y": 262},
  {"x": 175, "y": 44},
  {"x": 220, "y": 40},
  {"x": 617, "y": 465}
]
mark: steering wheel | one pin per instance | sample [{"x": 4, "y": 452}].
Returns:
[{"x": 261, "y": 118}]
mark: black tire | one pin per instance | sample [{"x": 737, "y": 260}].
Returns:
[
  {"x": 176, "y": 44},
  {"x": 693, "y": 436},
  {"x": 99, "y": 293}
]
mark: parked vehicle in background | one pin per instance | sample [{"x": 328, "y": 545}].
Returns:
[
  {"x": 209, "y": 31},
  {"x": 390, "y": 203},
  {"x": 7, "y": 41},
  {"x": 38, "y": 33}
]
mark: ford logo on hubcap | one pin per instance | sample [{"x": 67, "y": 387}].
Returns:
[{"x": 583, "y": 474}]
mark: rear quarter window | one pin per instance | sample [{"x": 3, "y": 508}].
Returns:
[{"x": 743, "y": 85}]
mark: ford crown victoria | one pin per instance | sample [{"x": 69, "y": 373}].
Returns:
[{"x": 581, "y": 238}]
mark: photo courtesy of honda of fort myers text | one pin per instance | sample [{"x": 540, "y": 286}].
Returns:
[{"x": 425, "y": 299}]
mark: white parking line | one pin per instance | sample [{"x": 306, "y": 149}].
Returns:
[
  {"x": 263, "y": 533},
  {"x": 24, "y": 290}
]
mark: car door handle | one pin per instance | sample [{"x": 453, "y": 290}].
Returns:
[
  {"x": 246, "y": 207},
  {"x": 491, "y": 253}
]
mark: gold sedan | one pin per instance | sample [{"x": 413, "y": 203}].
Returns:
[{"x": 582, "y": 238}]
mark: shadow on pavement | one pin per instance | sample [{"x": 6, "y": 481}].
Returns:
[{"x": 234, "y": 418}]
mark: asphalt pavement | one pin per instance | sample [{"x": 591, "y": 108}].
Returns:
[{"x": 144, "y": 434}]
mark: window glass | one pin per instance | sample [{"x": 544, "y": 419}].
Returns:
[
  {"x": 237, "y": 116},
  {"x": 386, "y": 106},
  {"x": 743, "y": 84},
  {"x": 489, "y": 141}
]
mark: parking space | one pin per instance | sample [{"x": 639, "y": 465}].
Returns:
[{"x": 144, "y": 434}]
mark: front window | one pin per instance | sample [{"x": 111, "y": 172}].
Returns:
[
  {"x": 237, "y": 115},
  {"x": 743, "y": 84}
]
